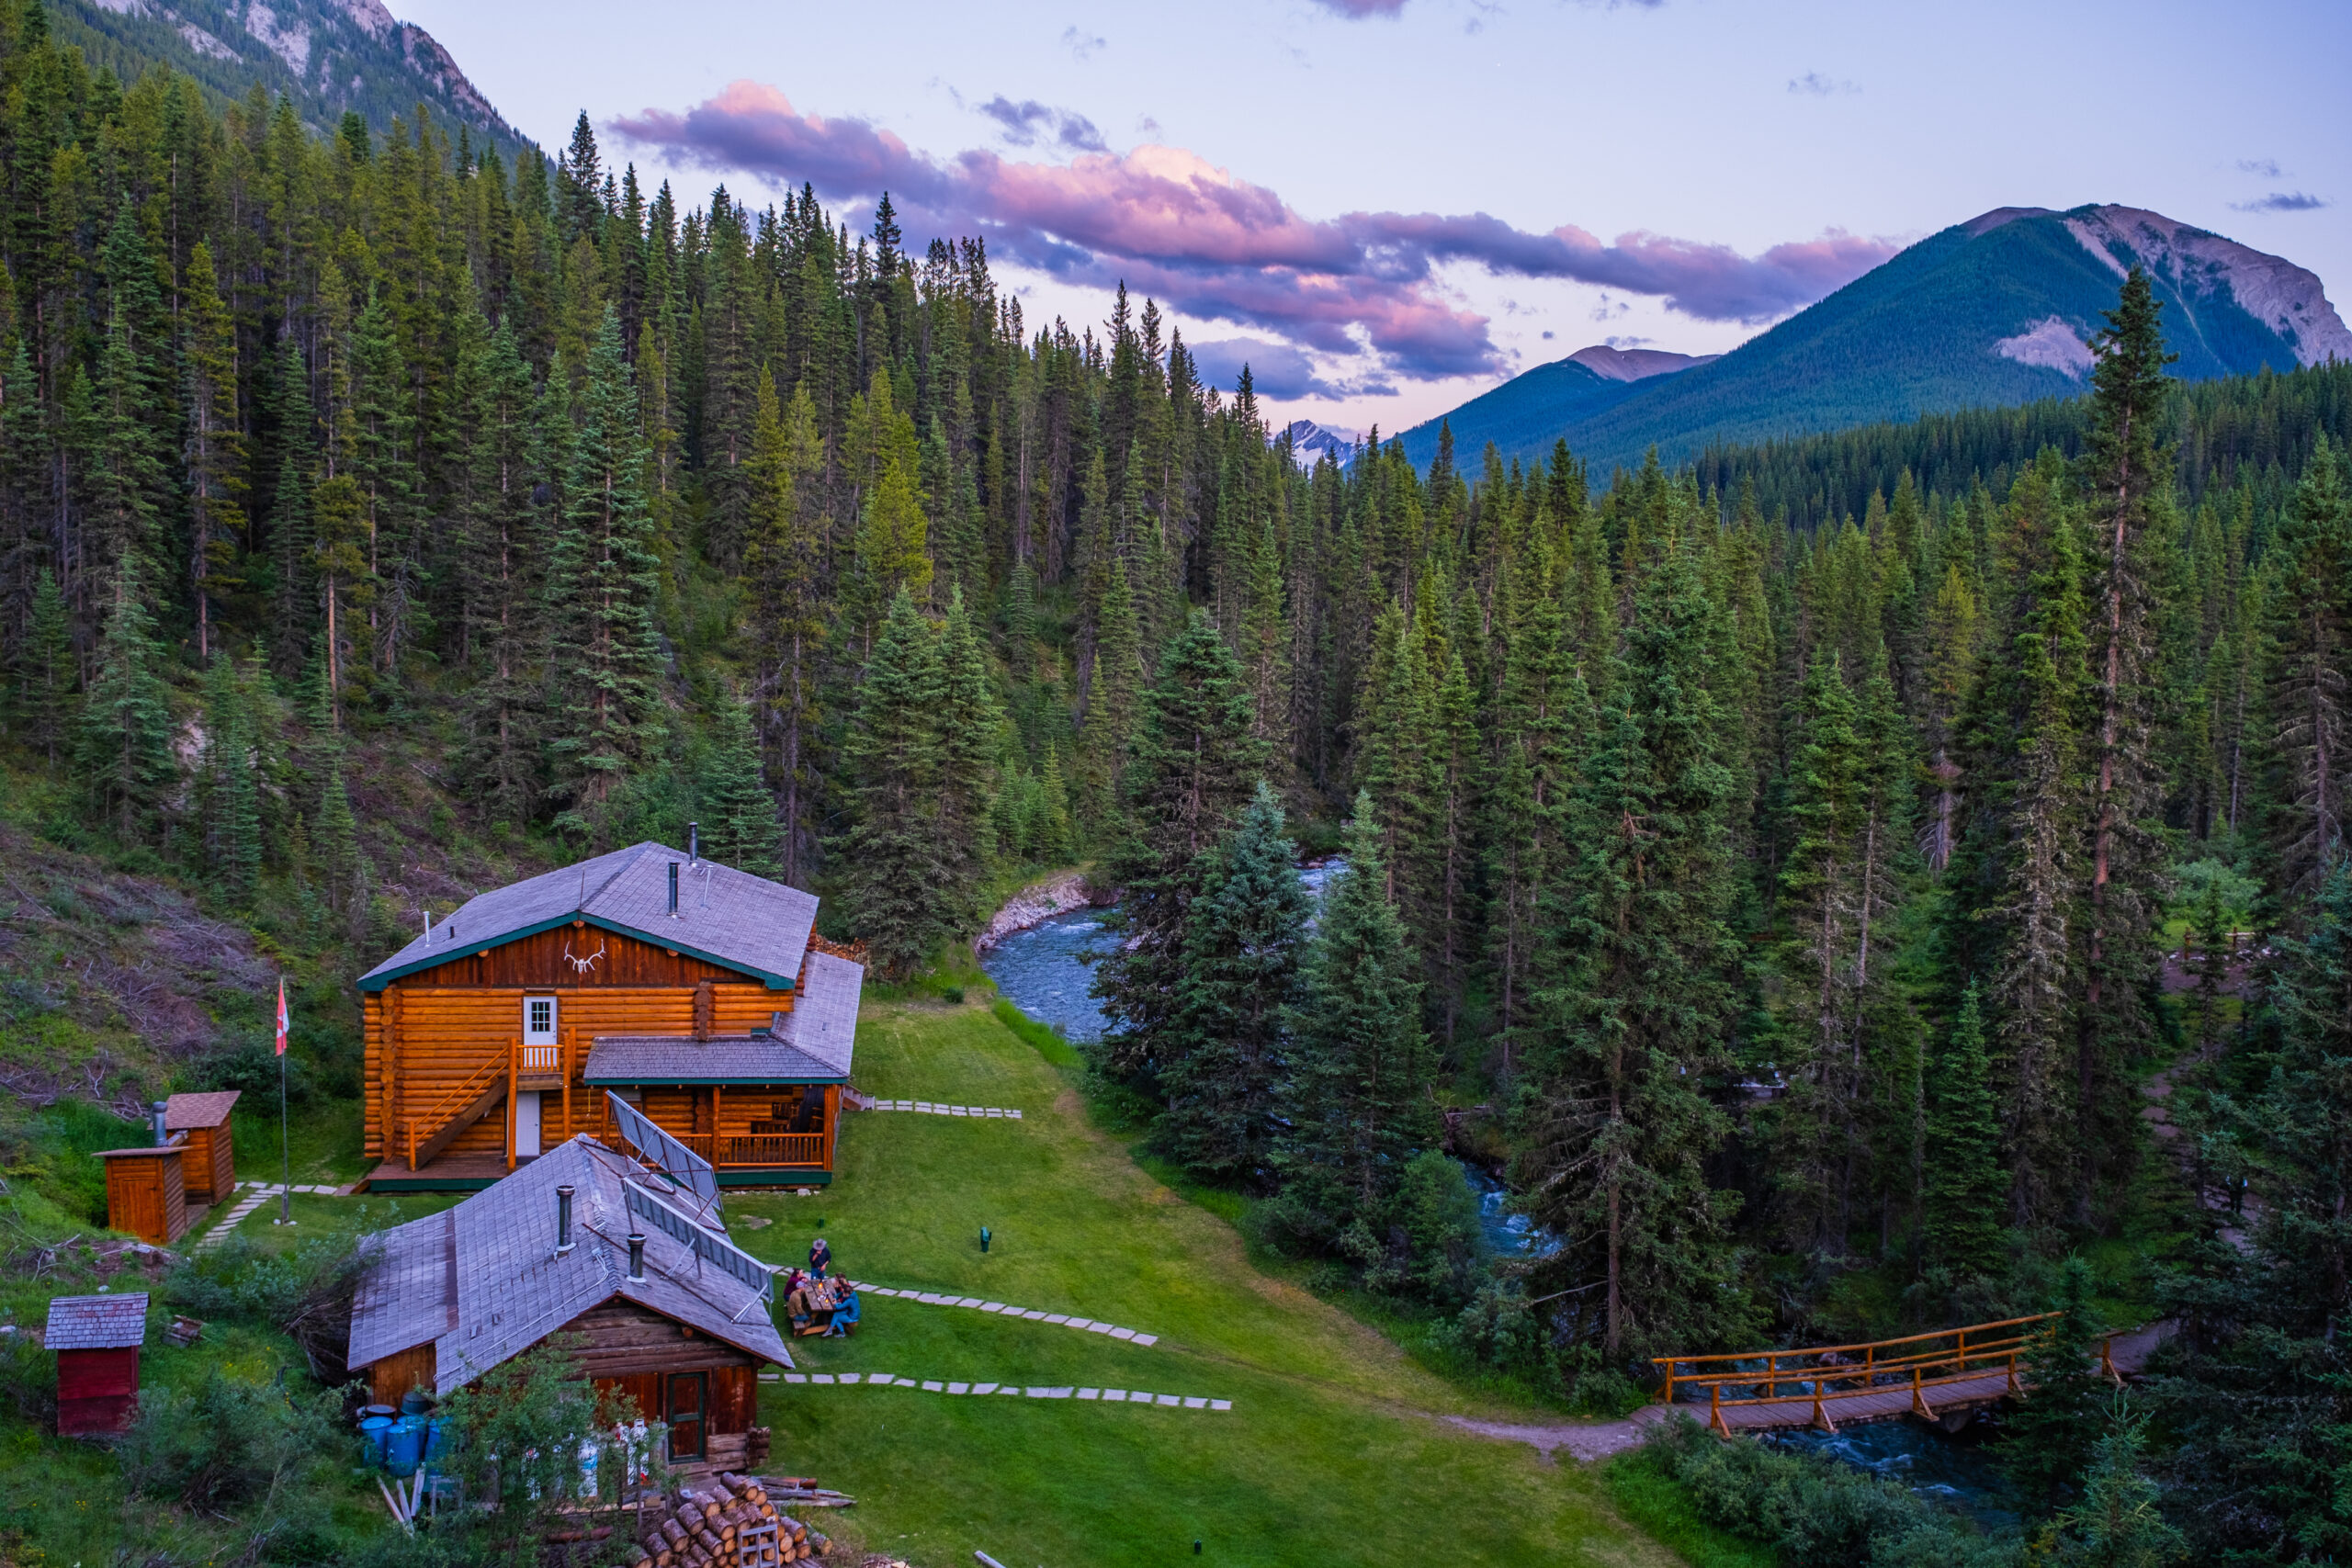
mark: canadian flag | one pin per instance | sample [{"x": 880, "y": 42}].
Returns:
[{"x": 281, "y": 1015}]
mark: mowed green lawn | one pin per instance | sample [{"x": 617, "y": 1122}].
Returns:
[{"x": 1332, "y": 1452}]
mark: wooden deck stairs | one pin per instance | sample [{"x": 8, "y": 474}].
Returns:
[
  {"x": 1940, "y": 1377},
  {"x": 434, "y": 1130}
]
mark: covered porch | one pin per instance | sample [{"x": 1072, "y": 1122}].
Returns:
[{"x": 761, "y": 1111}]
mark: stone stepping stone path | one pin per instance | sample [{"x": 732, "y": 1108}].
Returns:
[
  {"x": 929, "y": 1108},
  {"x": 1014, "y": 1391},
  {"x": 933, "y": 1297},
  {"x": 257, "y": 1194}
]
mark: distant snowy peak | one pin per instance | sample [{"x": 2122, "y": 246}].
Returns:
[
  {"x": 1636, "y": 363},
  {"x": 1309, "y": 441}
]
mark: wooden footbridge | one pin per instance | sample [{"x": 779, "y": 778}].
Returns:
[{"x": 1942, "y": 1377}]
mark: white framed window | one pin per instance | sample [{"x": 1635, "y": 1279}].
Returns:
[{"x": 538, "y": 1021}]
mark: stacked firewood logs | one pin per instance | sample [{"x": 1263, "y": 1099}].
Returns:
[{"x": 725, "y": 1521}]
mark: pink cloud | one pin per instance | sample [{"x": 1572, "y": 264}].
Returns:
[{"x": 1218, "y": 247}]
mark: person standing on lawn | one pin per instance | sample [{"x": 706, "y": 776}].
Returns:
[{"x": 820, "y": 1257}]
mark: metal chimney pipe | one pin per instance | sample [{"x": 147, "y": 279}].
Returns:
[
  {"x": 673, "y": 890},
  {"x": 637, "y": 1258},
  {"x": 161, "y": 1137},
  {"x": 693, "y": 843},
  {"x": 562, "y": 1220}
]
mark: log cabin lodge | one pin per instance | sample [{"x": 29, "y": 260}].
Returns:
[
  {"x": 627, "y": 1257},
  {"x": 697, "y": 993}
]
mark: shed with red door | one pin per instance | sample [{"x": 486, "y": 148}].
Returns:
[{"x": 97, "y": 1340}]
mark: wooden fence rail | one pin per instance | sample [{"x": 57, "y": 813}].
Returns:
[{"x": 1972, "y": 1364}]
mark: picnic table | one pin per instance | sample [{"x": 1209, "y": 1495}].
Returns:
[{"x": 821, "y": 1307}]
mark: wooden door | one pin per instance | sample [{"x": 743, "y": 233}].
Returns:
[{"x": 688, "y": 1413}]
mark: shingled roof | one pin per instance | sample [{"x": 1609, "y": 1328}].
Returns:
[
  {"x": 182, "y": 1112},
  {"x": 728, "y": 917},
  {"x": 481, "y": 1282},
  {"x": 96, "y": 1323},
  {"x": 680, "y": 1059}
]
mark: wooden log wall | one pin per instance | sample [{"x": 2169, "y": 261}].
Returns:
[
  {"x": 393, "y": 1377},
  {"x": 431, "y": 1032},
  {"x": 624, "y": 1340}
]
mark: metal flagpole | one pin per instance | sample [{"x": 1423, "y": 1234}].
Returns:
[{"x": 285, "y": 1148}]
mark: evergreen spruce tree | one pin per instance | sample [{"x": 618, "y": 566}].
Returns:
[
  {"x": 2023, "y": 852},
  {"x": 892, "y": 865},
  {"x": 739, "y": 814},
  {"x": 1821, "y": 888},
  {"x": 2307, "y": 681},
  {"x": 1194, "y": 765},
  {"x": 970, "y": 736},
  {"x": 294, "y": 601},
  {"x": 503, "y": 570},
  {"x": 1113, "y": 702},
  {"x": 2128, "y": 471},
  {"x": 1237, "y": 981},
  {"x": 784, "y": 565},
  {"x": 2117, "y": 1523},
  {"x": 2048, "y": 1441},
  {"x": 1965, "y": 1186},
  {"x": 1640, "y": 999},
  {"x": 45, "y": 669},
  {"x": 601, "y": 586},
  {"x": 232, "y": 838},
  {"x": 344, "y": 875},
  {"x": 124, "y": 750},
  {"x": 1357, "y": 1105},
  {"x": 215, "y": 450}
]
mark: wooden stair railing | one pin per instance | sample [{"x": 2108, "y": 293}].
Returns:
[{"x": 462, "y": 1107}]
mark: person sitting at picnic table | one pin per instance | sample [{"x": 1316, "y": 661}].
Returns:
[
  {"x": 845, "y": 1310},
  {"x": 820, "y": 1257}
]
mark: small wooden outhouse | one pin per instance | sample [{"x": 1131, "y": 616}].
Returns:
[
  {"x": 147, "y": 1192},
  {"x": 208, "y": 1171},
  {"x": 97, "y": 1340}
]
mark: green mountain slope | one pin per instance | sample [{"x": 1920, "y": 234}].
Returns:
[
  {"x": 1990, "y": 312},
  {"x": 1525, "y": 413},
  {"x": 327, "y": 56}
]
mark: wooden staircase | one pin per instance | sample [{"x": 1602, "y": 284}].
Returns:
[{"x": 456, "y": 1110}]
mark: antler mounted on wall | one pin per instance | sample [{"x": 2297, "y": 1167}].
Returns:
[{"x": 581, "y": 966}]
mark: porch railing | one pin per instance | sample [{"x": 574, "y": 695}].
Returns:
[{"x": 762, "y": 1150}]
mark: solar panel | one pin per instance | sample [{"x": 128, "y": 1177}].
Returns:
[
  {"x": 664, "y": 1153},
  {"x": 708, "y": 1245}
]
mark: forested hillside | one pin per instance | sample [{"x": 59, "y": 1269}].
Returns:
[
  {"x": 328, "y": 58},
  {"x": 1787, "y": 862}
]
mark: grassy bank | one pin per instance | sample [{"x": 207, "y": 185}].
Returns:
[{"x": 1334, "y": 1451}]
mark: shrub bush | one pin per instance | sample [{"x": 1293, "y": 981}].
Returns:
[
  {"x": 224, "y": 1441},
  {"x": 1816, "y": 1513}
]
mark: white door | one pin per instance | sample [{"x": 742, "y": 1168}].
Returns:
[{"x": 526, "y": 1124}]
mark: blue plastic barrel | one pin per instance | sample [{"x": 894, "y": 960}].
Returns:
[
  {"x": 372, "y": 1435},
  {"x": 404, "y": 1445},
  {"x": 437, "y": 1438}
]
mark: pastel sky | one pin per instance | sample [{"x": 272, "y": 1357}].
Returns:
[{"x": 1387, "y": 206}]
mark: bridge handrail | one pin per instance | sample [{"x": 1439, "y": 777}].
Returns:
[
  {"x": 1789, "y": 1365},
  {"x": 1857, "y": 1345}
]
